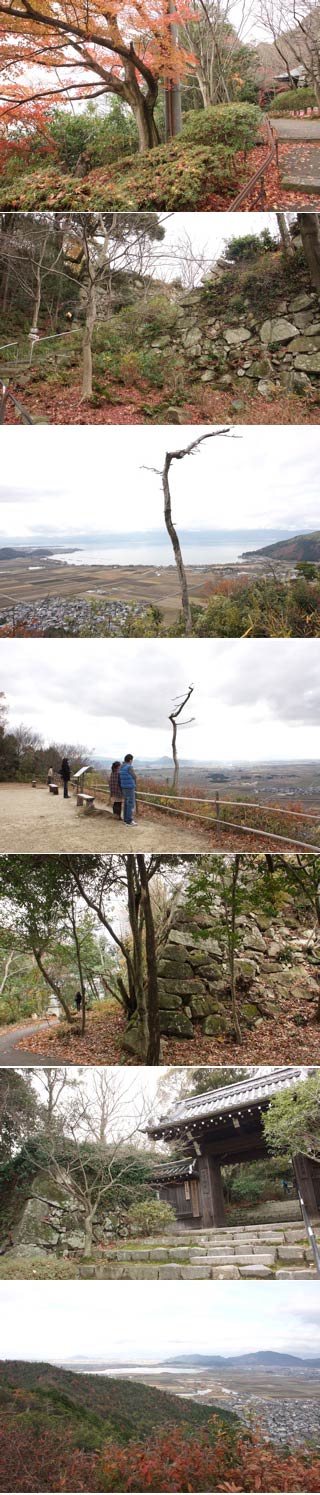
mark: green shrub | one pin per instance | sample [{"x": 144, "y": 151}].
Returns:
[
  {"x": 101, "y": 138},
  {"x": 294, "y": 98},
  {"x": 12, "y": 1267},
  {"x": 249, "y": 247},
  {"x": 151, "y": 1216},
  {"x": 235, "y": 125},
  {"x": 175, "y": 177}
]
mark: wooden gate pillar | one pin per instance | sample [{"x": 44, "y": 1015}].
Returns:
[
  {"x": 210, "y": 1191},
  {"x": 303, "y": 1172}
]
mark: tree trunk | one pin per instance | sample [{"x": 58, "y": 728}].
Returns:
[
  {"x": 231, "y": 942},
  {"x": 53, "y": 984},
  {"x": 8, "y": 963},
  {"x": 134, "y": 898},
  {"x": 175, "y": 781},
  {"x": 176, "y": 546},
  {"x": 172, "y": 89},
  {"x": 173, "y": 719},
  {"x": 285, "y": 235},
  {"x": 88, "y": 1232},
  {"x": 147, "y": 129},
  {"x": 79, "y": 963},
  {"x": 309, "y": 229},
  {"x": 91, "y": 314},
  {"x": 153, "y": 1051}
]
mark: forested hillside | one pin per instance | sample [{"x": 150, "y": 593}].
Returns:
[{"x": 92, "y": 1407}]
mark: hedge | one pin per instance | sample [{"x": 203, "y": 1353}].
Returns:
[
  {"x": 177, "y": 177},
  {"x": 294, "y": 98},
  {"x": 236, "y": 125}
]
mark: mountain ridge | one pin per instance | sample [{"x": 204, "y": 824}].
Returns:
[
  {"x": 301, "y": 547},
  {"x": 255, "y": 1357}
]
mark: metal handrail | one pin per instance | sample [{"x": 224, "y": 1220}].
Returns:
[
  {"x": 309, "y": 1227},
  {"x": 258, "y": 175},
  {"x": 5, "y": 396}
]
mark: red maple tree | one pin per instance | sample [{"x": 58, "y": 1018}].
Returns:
[{"x": 89, "y": 48}]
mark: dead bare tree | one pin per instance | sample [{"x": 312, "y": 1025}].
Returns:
[
  {"x": 94, "y": 1148},
  {"x": 105, "y": 242},
  {"x": 217, "y": 32},
  {"x": 294, "y": 27},
  {"x": 170, "y": 457},
  {"x": 173, "y": 718}
]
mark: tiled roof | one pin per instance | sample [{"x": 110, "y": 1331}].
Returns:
[
  {"x": 231, "y": 1097},
  {"x": 181, "y": 1168}
]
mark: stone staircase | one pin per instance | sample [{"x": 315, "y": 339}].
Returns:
[{"x": 274, "y": 1250}]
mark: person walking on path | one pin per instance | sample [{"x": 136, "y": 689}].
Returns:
[
  {"x": 128, "y": 786},
  {"x": 65, "y": 775},
  {"x": 115, "y": 789}
]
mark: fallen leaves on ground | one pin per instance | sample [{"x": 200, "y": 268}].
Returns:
[
  {"x": 61, "y": 406},
  {"x": 271, "y": 1041},
  {"x": 101, "y": 1043}
]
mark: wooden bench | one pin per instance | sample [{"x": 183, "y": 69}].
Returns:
[
  {"x": 53, "y": 788},
  {"x": 87, "y": 800}
]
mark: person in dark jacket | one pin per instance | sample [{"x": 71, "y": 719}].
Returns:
[
  {"x": 115, "y": 789},
  {"x": 128, "y": 787},
  {"x": 65, "y": 775}
]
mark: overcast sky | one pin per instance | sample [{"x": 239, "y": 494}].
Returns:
[
  {"x": 208, "y": 233},
  {"x": 254, "y": 699},
  {"x": 52, "y": 1320},
  {"x": 66, "y": 480}
]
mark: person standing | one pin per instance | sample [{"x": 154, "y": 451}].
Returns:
[
  {"x": 128, "y": 786},
  {"x": 65, "y": 775},
  {"x": 115, "y": 788}
]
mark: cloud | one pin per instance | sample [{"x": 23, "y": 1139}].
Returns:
[
  {"x": 265, "y": 478},
  {"x": 254, "y": 699},
  {"x": 52, "y": 1320}
]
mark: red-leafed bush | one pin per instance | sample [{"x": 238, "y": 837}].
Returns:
[{"x": 175, "y": 1460}]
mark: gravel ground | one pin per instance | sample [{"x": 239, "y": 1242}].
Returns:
[{"x": 32, "y": 820}]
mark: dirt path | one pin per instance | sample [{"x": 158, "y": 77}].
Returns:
[{"x": 32, "y": 820}]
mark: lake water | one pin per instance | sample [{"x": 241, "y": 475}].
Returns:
[
  {"x": 223, "y": 551},
  {"x": 142, "y": 1370}
]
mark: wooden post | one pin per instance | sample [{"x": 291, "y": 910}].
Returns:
[
  {"x": 210, "y": 1192},
  {"x": 303, "y": 1172},
  {"x": 217, "y": 807}
]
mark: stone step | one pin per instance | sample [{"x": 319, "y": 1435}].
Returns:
[
  {"x": 181, "y": 1271},
  {"x": 217, "y": 1240},
  {"x": 243, "y": 1250}
]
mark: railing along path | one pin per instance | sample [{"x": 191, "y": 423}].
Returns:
[
  {"x": 160, "y": 802},
  {"x": 257, "y": 180}
]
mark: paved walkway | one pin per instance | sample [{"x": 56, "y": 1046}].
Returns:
[
  {"x": 296, "y": 129},
  {"x": 300, "y": 170},
  {"x": 10, "y": 1054}
]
